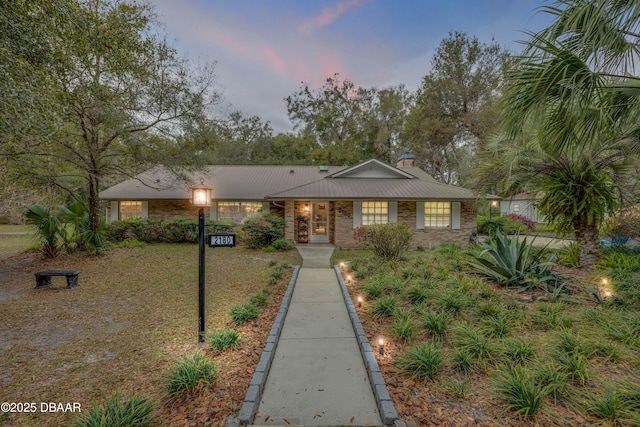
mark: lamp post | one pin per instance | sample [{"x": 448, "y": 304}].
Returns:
[
  {"x": 492, "y": 205},
  {"x": 201, "y": 198}
]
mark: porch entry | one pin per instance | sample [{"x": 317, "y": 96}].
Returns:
[{"x": 319, "y": 222}]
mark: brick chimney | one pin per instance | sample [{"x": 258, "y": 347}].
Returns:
[{"x": 407, "y": 160}]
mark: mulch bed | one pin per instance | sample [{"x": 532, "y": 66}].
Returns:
[{"x": 211, "y": 405}]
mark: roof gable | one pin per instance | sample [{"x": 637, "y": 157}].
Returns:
[{"x": 372, "y": 169}]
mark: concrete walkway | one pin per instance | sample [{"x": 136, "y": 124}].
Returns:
[{"x": 317, "y": 376}]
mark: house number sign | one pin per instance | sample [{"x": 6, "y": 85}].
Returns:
[{"x": 222, "y": 240}]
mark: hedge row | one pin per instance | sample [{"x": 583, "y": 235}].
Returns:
[{"x": 161, "y": 231}]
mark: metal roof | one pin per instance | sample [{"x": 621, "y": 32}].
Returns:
[
  {"x": 286, "y": 182},
  {"x": 375, "y": 188}
]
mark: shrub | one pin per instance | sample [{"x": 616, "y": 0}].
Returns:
[
  {"x": 262, "y": 229},
  {"x": 223, "y": 339},
  {"x": 625, "y": 223},
  {"x": 153, "y": 230},
  {"x": 133, "y": 411},
  {"x": 521, "y": 219},
  {"x": 520, "y": 391},
  {"x": 283, "y": 245},
  {"x": 50, "y": 230},
  {"x": 241, "y": 313},
  {"x": 609, "y": 406},
  {"x": 422, "y": 360},
  {"x": 518, "y": 350},
  {"x": 457, "y": 387},
  {"x": 418, "y": 294},
  {"x": 260, "y": 299},
  {"x": 387, "y": 241},
  {"x": 474, "y": 342},
  {"x": 553, "y": 379},
  {"x": 190, "y": 373}
]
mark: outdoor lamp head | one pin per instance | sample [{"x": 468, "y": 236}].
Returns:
[{"x": 201, "y": 196}]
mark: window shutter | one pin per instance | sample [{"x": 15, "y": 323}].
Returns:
[
  {"x": 145, "y": 210},
  {"x": 114, "y": 211},
  {"x": 455, "y": 215},
  {"x": 357, "y": 214},
  {"x": 213, "y": 211},
  {"x": 393, "y": 211},
  {"x": 419, "y": 215}
]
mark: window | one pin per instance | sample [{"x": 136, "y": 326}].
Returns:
[
  {"x": 130, "y": 210},
  {"x": 375, "y": 213},
  {"x": 437, "y": 214},
  {"x": 237, "y": 211}
]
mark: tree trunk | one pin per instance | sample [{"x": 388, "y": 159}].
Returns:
[
  {"x": 94, "y": 203},
  {"x": 588, "y": 240}
]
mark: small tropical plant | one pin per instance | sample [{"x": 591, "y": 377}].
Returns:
[
  {"x": 421, "y": 361},
  {"x": 132, "y": 411},
  {"x": 190, "y": 373},
  {"x": 50, "y": 230}
]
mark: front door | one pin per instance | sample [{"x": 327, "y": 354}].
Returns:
[{"x": 319, "y": 222}]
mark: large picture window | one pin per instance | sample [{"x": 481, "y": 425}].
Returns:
[
  {"x": 437, "y": 214},
  {"x": 237, "y": 211},
  {"x": 130, "y": 209},
  {"x": 375, "y": 213}
]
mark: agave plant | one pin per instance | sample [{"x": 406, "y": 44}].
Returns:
[{"x": 517, "y": 263}]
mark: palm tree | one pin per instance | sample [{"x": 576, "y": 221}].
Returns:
[{"x": 571, "y": 115}]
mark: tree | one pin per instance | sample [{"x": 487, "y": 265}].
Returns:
[
  {"x": 334, "y": 115},
  {"x": 454, "y": 109},
  {"x": 115, "y": 97},
  {"x": 574, "y": 98}
]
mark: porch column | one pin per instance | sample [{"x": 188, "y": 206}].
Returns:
[{"x": 289, "y": 219}]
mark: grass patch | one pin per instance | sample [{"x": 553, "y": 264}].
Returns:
[
  {"x": 241, "y": 313},
  {"x": 384, "y": 306},
  {"x": 421, "y": 361},
  {"x": 520, "y": 391},
  {"x": 132, "y": 411},
  {"x": 223, "y": 339},
  {"x": 189, "y": 374}
]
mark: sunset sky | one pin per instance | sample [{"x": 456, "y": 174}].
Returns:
[{"x": 265, "y": 49}]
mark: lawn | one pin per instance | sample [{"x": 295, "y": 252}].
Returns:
[
  {"x": 460, "y": 350},
  {"x": 134, "y": 314},
  {"x": 15, "y": 238}
]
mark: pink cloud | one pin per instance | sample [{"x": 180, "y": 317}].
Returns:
[{"x": 328, "y": 15}]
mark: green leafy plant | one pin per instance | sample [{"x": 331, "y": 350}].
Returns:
[
  {"x": 418, "y": 294},
  {"x": 513, "y": 263},
  {"x": 260, "y": 299},
  {"x": 404, "y": 327},
  {"x": 608, "y": 406},
  {"x": 384, "y": 306},
  {"x": 190, "y": 373},
  {"x": 518, "y": 350},
  {"x": 132, "y": 411},
  {"x": 435, "y": 323},
  {"x": 457, "y": 387},
  {"x": 262, "y": 229},
  {"x": 50, "y": 230},
  {"x": 520, "y": 390},
  {"x": 388, "y": 241},
  {"x": 373, "y": 290},
  {"x": 283, "y": 245},
  {"x": 421, "y": 361},
  {"x": 241, "y": 313},
  {"x": 223, "y": 339},
  {"x": 474, "y": 342},
  {"x": 574, "y": 365},
  {"x": 463, "y": 360},
  {"x": 497, "y": 326},
  {"x": 553, "y": 378}
]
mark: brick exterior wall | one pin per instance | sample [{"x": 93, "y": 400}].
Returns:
[
  {"x": 174, "y": 209},
  {"x": 427, "y": 238},
  {"x": 340, "y": 220}
]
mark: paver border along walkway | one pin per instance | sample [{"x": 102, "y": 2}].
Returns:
[{"x": 317, "y": 374}]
